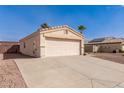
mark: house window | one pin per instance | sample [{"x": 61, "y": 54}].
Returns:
[
  {"x": 24, "y": 45},
  {"x": 33, "y": 52},
  {"x": 34, "y": 44}
]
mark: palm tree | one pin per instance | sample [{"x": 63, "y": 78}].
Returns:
[
  {"x": 44, "y": 25},
  {"x": 81, "y": 28}
]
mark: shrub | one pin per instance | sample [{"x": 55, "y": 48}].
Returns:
[
  {"x": 84, "y": 54},
  {"x": 121, "y": 51},
  {"x": 114, "y": 51}
]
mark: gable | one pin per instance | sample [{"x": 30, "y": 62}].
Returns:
[{"x": 63, "y": 33}]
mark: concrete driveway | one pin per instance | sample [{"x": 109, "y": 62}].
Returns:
[{"x": 71, "y": 72}]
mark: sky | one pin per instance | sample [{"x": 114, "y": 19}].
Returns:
[{"x": 17, "y": 22}]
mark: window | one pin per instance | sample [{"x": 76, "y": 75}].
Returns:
[
  {"x": 24, "y": 45},
  {"x": 34, "y": 44},
  {"x": 33, "y": 52}
]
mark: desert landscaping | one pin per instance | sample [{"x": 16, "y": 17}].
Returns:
[
  {"x": 10, "y": 76},
  {"x": 115, "y": 57}
]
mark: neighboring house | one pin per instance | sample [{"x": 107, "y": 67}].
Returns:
[
  {"x": 53, "y": 41},
  {"x": 107, "y": 45}
]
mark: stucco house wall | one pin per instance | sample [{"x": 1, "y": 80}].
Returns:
[
  {"x": 110, "y": 47},
  {"x": 31, "y": 46},
  {"x": 105, "y": 48},
  {"x": 122, "y": 47}
]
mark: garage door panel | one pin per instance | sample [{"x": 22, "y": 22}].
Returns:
[{"x": 59, "y": 47}]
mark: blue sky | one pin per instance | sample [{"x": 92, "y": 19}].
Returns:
[{"x": 101, "y": 21}]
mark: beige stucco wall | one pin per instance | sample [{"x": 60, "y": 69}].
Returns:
[
  {"x": 110, "y": 47},
  {"x": 122, "y": 47},
  {"x": 62, "y": 34},
  {"x": 42, "y": 45},
  {"x": 82, "y": 46},
  {"x": 32, "y": 46}
]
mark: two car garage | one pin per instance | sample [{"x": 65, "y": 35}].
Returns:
[
  {"x": 62, "y": 47},
  {"x": 54, "y": 41}
]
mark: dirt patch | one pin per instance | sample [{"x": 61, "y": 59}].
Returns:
[
  {"x": 10, "y": 76},
  {"x": 119, "y": 58}
]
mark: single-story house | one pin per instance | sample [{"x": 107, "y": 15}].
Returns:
[
  {"x": 106, "y": 45},
  {"x": 53, "y": 41}
]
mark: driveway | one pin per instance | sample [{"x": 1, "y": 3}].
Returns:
[{"x": 71, "y": 72}]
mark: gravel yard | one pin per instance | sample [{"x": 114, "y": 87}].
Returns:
[
  {"x": 119, "y": 58},
  {"x": 10, "y": 76}
]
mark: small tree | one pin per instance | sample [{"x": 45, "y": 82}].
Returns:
[
  {"x": 81, "y": 28},
  {"x": 44, "y": 25}
]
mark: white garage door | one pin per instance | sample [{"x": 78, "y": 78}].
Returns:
[{"x": 58, "y": 47}]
